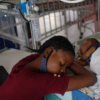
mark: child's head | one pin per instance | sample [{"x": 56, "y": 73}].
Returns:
[
  {"x": 86, "y": 44},
  {"x": 59, "y": 52}
]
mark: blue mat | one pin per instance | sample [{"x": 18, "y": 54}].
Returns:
[
  {"x": 77, "y": 95},
  {"x": 73, "y": 95}
]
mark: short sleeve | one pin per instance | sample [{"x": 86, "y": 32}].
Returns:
[
  {"x": 56, "y": 84},
  {"x": 50, "y": 84}
]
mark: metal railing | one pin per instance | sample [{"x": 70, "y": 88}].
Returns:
[
  {"x": 13, "y": 27},
  {"x": 55, "y": 16},
  {"x": 60, "y": 15}
]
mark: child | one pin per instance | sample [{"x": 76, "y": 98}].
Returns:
[
  {"x": 35, "y": 76},
  {"x": 90, "y": 54}
]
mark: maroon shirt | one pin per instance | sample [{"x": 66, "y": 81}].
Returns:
[{"x": 25, "y": 83}]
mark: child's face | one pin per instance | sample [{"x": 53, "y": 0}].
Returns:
[
  {"x": 84, "y": 46},
  {"x": 58, "y": 61}
]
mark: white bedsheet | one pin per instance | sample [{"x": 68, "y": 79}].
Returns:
[{"x": 10, "y": 57}]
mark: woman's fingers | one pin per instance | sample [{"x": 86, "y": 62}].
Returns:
[{"x": 57, "y": 75}]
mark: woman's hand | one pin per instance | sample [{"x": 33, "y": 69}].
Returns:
[{"x": 57, "y": 75}]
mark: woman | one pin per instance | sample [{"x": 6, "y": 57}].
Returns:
[{"x": 35, "y": 76}]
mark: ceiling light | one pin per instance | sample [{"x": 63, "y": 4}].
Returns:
[{"x": 72, "y": 1}]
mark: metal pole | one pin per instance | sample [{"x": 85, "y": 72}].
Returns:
[
  {"x": 73, "y": 12},
  {"x": 55, "y": 16},
  {"x": 69, "y": 13},
  {"x": 79, "y": 27},
  {"x": 66, "y": 28},
  {"x": 33, "y": 41},
  {"x": 88, "y": 7},
  {"x": 77, "y": 13},
  {"x": 85, "y": 8},
  {"x": 26, "y": 35},
  {"x": 49, "y": 16},
  {"x": 99, "y": 15},
  {"x": 60, "y": 15},
  {"x": 43, "y": 17},
  {"x": 82, "y": 9}
]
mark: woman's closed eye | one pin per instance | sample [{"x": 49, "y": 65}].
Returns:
[{"x": 62, "y": 64}]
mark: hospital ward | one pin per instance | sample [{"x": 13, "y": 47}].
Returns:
[{"x": 49, "y": 49}]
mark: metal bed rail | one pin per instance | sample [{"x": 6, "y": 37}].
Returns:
[
  {"x": 55, "y": 16},
  {"x": 64, "y": 15}
]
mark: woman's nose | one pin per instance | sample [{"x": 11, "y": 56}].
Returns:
[{"x": 63, "y": 71}]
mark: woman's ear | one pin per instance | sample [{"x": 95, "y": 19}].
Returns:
[{"x": 48, "y": 52}]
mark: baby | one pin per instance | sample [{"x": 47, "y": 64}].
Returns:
[{"x": 90, "y": 55}]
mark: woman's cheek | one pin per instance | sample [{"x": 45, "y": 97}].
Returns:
[{"x": 53, "y": 68}]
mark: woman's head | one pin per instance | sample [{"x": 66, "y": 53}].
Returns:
[
  {"x": 59, "y": 53},
  {"x": 58, "y": 43}
]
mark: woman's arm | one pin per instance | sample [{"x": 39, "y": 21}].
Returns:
[{"x": 83, "y": 77}]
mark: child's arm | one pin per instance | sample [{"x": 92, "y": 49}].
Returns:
[
  {"x": 83, "y": 63},
  {"x": 87, "y": 54}
]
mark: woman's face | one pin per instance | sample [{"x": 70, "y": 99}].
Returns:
[{"x": 58, "y": 61}]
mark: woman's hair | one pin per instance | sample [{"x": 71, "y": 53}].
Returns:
[{"x": 58, "y": 42}]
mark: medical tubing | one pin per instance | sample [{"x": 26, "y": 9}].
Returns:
[
  {"x": 34, "y": 50},
  {"x": 18, "y": 9}
]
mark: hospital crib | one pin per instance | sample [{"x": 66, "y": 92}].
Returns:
[
  {"x": 67, "y": 14},
  {"x": 54, "y": 13}
]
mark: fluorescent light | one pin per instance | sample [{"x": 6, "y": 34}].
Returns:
[{"x": 74, "y": 1}]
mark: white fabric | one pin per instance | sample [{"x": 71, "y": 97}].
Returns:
[
  {"x": 95, "y": 62},
  {"x": 10, "y": 57},
  {"x": 97, "y": 84}
]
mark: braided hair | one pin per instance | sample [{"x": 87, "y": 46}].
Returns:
[{"x": 58, "y": 42}]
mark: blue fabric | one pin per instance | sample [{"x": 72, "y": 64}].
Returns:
[
  {"x": 77, "y": 95},
  {"x": 89, "y": 59},
  {"x": 43, "y": 67},
  {"x": 74, "y": 95}
]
